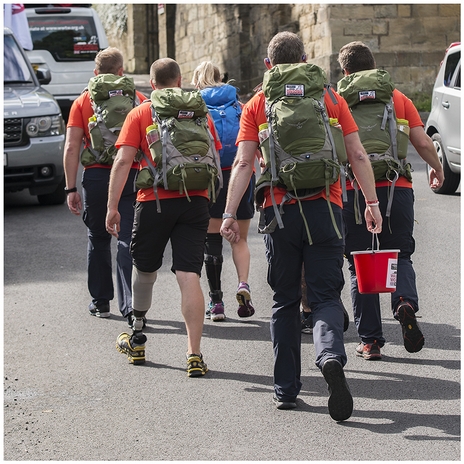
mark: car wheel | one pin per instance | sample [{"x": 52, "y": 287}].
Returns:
[
  {"x": 452, "y": 179},
  {"x": 58, "y": 197}
]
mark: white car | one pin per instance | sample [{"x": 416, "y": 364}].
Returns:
[
  {"x": 66, "y": 40},
  {"x": 444, "y": 122}
]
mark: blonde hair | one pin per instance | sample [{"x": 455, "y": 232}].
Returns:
[
  {"x": 109, "y": 61},
  {"x": 206, "y": 75}
]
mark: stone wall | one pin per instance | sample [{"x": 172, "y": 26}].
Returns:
[{"x": 408, "y": 40}]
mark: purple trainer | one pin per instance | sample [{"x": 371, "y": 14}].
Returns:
[
  {"x": 245, "y": 308},
  {"x": 216, "y": 311}
]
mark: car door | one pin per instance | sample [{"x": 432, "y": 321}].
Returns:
[{"x": 450, "y": 117}]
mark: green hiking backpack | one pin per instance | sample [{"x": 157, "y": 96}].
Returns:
[
  {"x": 369, "y": 95},
  {"x": 184, "y": 156},
  {"x": 112, "y": 98},
  {"x": 302, "y": 151}
]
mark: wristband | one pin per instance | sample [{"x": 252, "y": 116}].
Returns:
[
  {"x": 71, "y": 190},
  {"x": 227, "y": 216},
  {"x": 372, "y": 203}
]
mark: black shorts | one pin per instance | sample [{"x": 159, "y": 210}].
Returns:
[
  {"x": 184, "y": 223},
  {"x": 245, "y": 209}
]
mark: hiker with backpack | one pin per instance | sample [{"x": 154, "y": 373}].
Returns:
[
  {"x": 178, "y": 172},
  {"x": 109, "y": 97},
  {"x": 301, "y": 202},
  {"x": 225, "y": 109},
  {"x": 385, "y": 117}
]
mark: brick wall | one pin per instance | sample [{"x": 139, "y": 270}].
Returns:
[{"x": 408, "y": 40}]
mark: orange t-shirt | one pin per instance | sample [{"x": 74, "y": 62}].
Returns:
[
  {"x": 253, "y": 115},
  {"x": 81, "y": 111},
  {"x": 133, "y": 134}
]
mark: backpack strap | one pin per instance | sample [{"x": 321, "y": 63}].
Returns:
[
  {"x": 155, "y": 174},
  {"x": 329, "y": 91}
]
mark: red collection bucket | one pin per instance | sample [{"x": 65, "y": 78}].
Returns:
[{"x": 376, "y": 270}]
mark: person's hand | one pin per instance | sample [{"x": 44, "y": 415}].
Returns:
[
  {"x": 230, "y": 230},
  {"x": 436, "y": 179},
  {"x": 373, "y": 219},
  {"x": 74, "y": 203},
  {"x": 113, "y": 222}
]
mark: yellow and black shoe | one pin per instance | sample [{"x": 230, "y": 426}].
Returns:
[
  {"x": 196, "y": 367},
  {"x": 133, "y": 346}
]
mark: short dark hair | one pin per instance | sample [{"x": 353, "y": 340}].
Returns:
[
  {"x": 285, "y": 47},
  {"x": 356, "y": 56},
  {"x": 165, "y": 72}
]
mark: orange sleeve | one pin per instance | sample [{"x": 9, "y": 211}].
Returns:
[
  {"x": 80, "y": 112},
  {"x": 253, "y": 116},
  {"x": 134, "y": 129},
  {"x": 405, "y": 109},
  {"x": 340, "y": 111}
]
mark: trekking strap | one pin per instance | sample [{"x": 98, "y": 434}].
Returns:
[
  {"x": 274, "y": 177},
  {"x": 156, "y": 177},
  {"x": 334, "y": 151}
]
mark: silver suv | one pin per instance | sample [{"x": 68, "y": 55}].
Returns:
[
  {"x": 66, "y": 41},
  {"x": 444, "y": 122},
  {"x": 33, "y": 129}
]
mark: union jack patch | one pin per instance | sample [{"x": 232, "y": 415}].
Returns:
[
  {"x": 294, "y": 90},
  {"x": 185, "y": 114},
  {"x": 115, "y": 93},
  {"x": 367, "y": 95}
]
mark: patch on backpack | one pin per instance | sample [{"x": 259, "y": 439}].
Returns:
[
  {"x": 185, "y": 114},
  {"x": 366, "y": 95},
  {"x": 116, "y": 93},
  {"x": 294, "y": 90}
]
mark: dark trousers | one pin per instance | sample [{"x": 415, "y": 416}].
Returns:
[
  {"x": 286, "y": 250},
  {"x": 95, "y": 183},
  {"x": 397, "y": 233}
]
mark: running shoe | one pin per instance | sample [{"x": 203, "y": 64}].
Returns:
[
  {"x": 133, "y": 346},
  {"x": 306, "y": 322},
  {"x": 196, "y": 367},
  {"x": 283, "y": 404},
  {"x": 215, "y": 311},
  {"x": 340, "y": 399},
  {"x": 102, "y": 310},
  {"x": 369, "y": 351},
  {"x": 412, "y": 335},
  {"x": 243, "y": 296}
]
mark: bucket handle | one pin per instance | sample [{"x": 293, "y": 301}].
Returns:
[{"x": 377, "y": 239}]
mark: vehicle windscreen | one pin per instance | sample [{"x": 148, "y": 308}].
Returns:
[
  {"x": 15, "y": 68},
  {"x": 70, "y": 38}
]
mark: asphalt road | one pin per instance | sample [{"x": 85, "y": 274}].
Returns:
[{"x": 69, "y": 395}]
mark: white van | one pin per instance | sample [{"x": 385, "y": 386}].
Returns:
[{"x": 66, "y": 41}]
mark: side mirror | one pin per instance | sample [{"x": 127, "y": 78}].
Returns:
[{"x": 43, "y": 75}]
